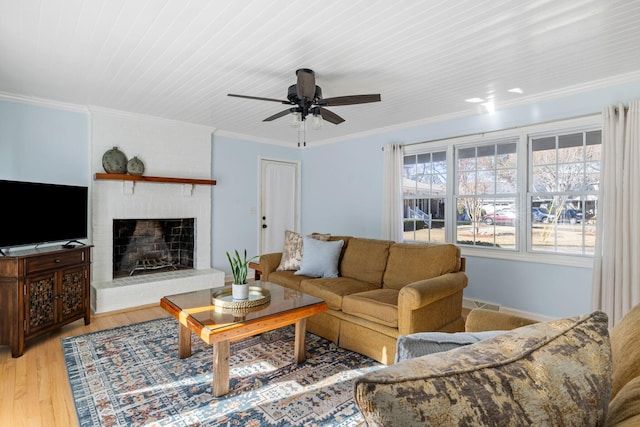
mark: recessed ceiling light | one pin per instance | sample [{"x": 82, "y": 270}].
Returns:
[
  {"x": 516, "y": 90},
  {"x": 474, "y": 100},
  {"x": 490, "y": 107}
]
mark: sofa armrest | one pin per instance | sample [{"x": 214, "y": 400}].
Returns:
[
  {"x": 431, "y": 304},
  {"x": 479, "y": 320},
  {"x": 269, "y": 263}
]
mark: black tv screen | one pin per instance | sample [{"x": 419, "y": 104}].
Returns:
[{"x": 34, "y": 213}]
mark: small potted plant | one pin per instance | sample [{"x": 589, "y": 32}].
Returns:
[{"x": 239, "y": 269}]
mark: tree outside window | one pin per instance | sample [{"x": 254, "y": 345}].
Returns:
[
  {"x": 486, "y": 195},
  {"x": 565, "y": 171}
]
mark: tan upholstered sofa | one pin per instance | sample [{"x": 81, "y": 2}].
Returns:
[
  {"x": 563, "y": 372},
  {"x": 384, "y": 289}
]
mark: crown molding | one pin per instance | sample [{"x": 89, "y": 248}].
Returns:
[
  {"x": 42, "y": 102},
  {"x": 244, "y": 137}
]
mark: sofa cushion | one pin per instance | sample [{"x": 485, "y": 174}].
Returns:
[
  {"x": 365, "y": 259},
  {"x": 287, "y": 279},
  {"x": 292, "y": 250},
  {"x": 410, "y": 262},
  {"x": 551, "y": 373},
  {"x": 333, "y": 290},
  {"x": 424, "y": 343},
  {"x": 625, "y": 406},
  {"x": 319, "y": 259},
  {"x": 378, "y": 305},
  {"x": 480, "y": 319},
  {"x": 624, "y": 335}
]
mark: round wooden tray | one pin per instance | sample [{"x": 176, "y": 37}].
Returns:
[
  {"x": 223, "y": 298},
  {"x": 241, "y": 311}
]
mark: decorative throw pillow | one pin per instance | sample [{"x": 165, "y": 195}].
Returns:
[
  {"x": 320, "y": 259},
  {"x": 321, "y": 236},
  {"x": 292, "y": 251},
  {"x": 424, "y": 343},
  {"x": 548, "y": 374}
]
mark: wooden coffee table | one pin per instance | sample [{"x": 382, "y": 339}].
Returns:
[{"x": 196, "y": 313}]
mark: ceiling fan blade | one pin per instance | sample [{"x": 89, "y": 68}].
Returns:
[
  {"x": 259, "y": 98},
  {"x": 330, "y": 116},
  {"x": 306, "y": 85},
  {"x": 277, "y": 115},
  {"x": 350, "y": 100}
]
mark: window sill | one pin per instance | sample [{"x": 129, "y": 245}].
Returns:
[{"x": 541, "y": 258}]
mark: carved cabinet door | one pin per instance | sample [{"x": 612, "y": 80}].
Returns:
[
  {"x": 40, "y": 302},
  {"x": 72, "y": 292}
]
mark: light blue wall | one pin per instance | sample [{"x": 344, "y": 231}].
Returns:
[
  {"x": 42, "y": 144},
  {"x": 549, "y": 290},
  {"x": 235, "y": 167},
  {"x": 342, "y": 189},
  {"x": 343, "y": 195}
]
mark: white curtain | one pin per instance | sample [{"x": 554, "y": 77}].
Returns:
[
  {"x": 616, "y": 269},
  {"x": 392, "y": 227}
]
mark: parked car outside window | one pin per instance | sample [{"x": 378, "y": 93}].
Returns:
[
  {"x": 540, "y": 214},
  {"x": 572, "y": 216},
  {"x": 500, "y": 218}
]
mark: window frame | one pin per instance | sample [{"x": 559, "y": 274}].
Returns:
[
  {"x": 489, "y": 142},
  {"x": 433, "y": 197},
  {"x": 521, "y": 134}
]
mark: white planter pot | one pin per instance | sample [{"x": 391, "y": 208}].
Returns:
[{"x": 239, "y": 292}]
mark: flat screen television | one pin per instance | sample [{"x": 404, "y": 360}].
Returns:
[{"x": 34, "y": 213}]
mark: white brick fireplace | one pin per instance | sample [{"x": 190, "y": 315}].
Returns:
[{"x": 168, "y": 149}]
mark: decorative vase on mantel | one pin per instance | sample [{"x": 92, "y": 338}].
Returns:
[
  {"x": 135, "y": 166},
  {"x": 114, "y": 161}
]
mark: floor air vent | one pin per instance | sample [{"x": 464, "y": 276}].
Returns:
[{"x": 471, "y": 304}]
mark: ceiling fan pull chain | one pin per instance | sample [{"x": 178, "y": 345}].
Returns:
[{"x": 302, "y": 131}]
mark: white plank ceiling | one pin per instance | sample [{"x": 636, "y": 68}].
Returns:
[{"x": 178, "y": 59}]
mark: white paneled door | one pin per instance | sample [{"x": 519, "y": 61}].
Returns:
[{"x": 279, "y": 202}]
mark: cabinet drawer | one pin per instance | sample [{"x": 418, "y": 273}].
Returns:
[{"x": 45, "y": 262}]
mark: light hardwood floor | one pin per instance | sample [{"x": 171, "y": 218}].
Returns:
[{"x": 34, "y": 390}]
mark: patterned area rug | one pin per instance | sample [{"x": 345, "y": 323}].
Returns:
[{"x": 132, "y": 376}]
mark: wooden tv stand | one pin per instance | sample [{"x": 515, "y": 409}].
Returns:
[{"x": 42, "y": 290}]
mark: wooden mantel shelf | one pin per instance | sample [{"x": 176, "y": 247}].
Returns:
[{"x": 144, "y": 178}]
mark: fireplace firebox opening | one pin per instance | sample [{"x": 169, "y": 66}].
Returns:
[{"x": 146, "y": 246}]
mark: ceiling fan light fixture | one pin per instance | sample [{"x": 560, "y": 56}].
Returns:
[
  {"x": 295, "y": 119},
  {"x": 317, "y": 121}
]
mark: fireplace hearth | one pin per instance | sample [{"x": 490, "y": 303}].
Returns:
[{"x": 147, "y": 246}]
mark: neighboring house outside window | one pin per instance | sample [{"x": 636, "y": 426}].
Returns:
[
  {"x": 424, "y": 190},
  {"x": 530, "y": 191}
]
